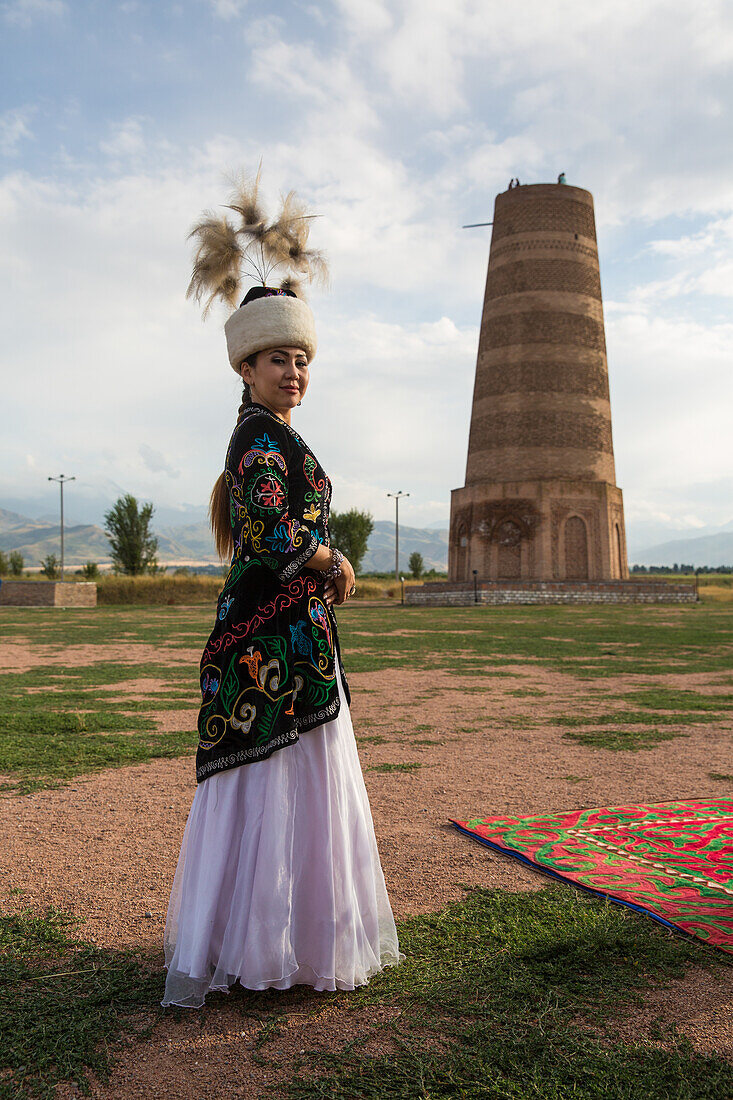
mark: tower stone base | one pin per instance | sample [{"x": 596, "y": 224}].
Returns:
[
  {"x": 542, "y": 530},
  {"x": 497, "y": 593}
]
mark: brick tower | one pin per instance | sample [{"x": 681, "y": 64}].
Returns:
[{"x": 540, "y": 500}]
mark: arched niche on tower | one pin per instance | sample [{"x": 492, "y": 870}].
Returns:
[
  {"x": 618, "y": 551},
  {"x": 508, "y": 537},
  {"x": 576, "y": 549},
  {"x": 462, "y": 552}
]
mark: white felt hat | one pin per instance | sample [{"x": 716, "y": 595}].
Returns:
[{"x": 277, "y": 320}]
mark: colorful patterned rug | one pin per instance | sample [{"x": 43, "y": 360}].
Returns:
[{"x": 670, "y": 860}]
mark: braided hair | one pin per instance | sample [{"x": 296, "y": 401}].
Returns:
[{"x": 219, "y": 504}]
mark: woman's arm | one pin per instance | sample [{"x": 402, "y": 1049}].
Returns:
[
  {"x": 337, "y": 588},
  {"x": 321, "y": 559}
]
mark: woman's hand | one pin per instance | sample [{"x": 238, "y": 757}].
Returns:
[{"x": 338, "y": 589}]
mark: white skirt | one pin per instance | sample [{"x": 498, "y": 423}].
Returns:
[{"x": 279, "y": 881}]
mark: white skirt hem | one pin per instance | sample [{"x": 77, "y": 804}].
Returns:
[{"x": 279, "y": 874}]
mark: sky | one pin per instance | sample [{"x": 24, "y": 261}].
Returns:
[{"x": 397, "y": 121}]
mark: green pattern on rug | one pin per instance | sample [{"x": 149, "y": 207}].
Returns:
[{"x": 670, "y": 860}]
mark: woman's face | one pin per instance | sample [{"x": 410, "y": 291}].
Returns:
[{"x": 278, "y": 380}]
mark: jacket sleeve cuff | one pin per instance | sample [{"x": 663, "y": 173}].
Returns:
[{"x": 296, "y": 565}]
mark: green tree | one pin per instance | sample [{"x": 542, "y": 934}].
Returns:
[
  {"x": 16, "y": 563},
  {"x": 90, "y": 571},
  {"x": 4, "y": 564},
  {"x": 417, "y": 565},
  {"x": 350, "y": 532},
  {"x": 128, "y": 530},
  {"x": 50, "y": 567}
]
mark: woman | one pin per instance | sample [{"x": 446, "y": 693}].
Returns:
[{"x": 278, "y": 881}]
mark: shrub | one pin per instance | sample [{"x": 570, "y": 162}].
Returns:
[
  {"x": 50, "y": 567},
  {"x": 417, "y": 565},
  {"x": 128, "y": 530},
  {"x": 350, "y": 533}
]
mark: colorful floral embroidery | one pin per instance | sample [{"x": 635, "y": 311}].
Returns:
[
  {"x": 268, "y": 671},
  {"x": 226, "y": 603}
]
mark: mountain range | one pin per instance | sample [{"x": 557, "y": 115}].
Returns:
[{"x": 191, "y": 543}]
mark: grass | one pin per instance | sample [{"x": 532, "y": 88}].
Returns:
[
  {"x": 583, "y": 641},
  {"x": 63, "y": 1003},
  {"x": 514, "y": 995},
  {"x": 616, "y": 740},
  {"x": 405, "y": 767},
  {"x": 167, "y": 591},
  {"x": 587, "y": 642},
  {"x": 660, "y": 707},
  {"x": 42, "y": 743},
  {"x": 506, "y": 995},
  {"x": 501, "y": 995},
  {"x": 57, "y": 723},
  {"x": 46, "y": 748}
]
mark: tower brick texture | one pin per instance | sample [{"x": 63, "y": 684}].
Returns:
[{"x": 540, "y": 500}]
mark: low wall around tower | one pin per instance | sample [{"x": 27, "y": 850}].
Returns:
[
  {"x": 48, "y": 594},
  {"x": 453, "y": 594}
]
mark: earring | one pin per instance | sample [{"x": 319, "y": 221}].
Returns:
[{"x": 300, "y": 402}]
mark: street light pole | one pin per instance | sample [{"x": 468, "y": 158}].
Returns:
[
  {"x": 62, "y": 480},
  {"x": 397, "y": 531}
]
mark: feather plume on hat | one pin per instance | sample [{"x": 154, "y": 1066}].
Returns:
[{"x": 252, "y": 247}]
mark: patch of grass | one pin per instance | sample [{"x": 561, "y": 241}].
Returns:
[
  {"x": 698, "y": 638},
  {"x": 622, "y": 740},
  {"x": 583, "y": 643},
  {"x": 502, "y": 994},
  {"x": 45, "y": 748},
  {"x": 720, "y": 776},
  {"x": 636, "y": 718},
  {"x": 394, "y": 767},
  {"x": 660, "y": 706},
  {"x": 575, "y": 778},
  {"x": 488, "y": 991},
  {"x": 57, "y": 722},
  {"x": 660, "y": 698},
  {"x": 63, "y": 1003},
  {"x": 180, "y": 627},
  {"x": 372, "y": 739}
]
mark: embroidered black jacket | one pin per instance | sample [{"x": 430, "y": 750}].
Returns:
[{"x": 268, "y": 670}]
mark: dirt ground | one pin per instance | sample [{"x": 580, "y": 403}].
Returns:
[{"x": 106, "y": 846}]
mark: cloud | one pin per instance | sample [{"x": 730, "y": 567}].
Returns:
[
  {"x": 397, "y": 122},
  {"x": 14, "y": 129},
  {"x": 126, "y": 140},
  {"x": 156, "y": 462},
  {"x": 671, "y": 393},
  {"x": 24, "y": 13},
  {"x": 228, "y": 9}
]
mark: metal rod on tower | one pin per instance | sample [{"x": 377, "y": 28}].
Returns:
[
  {"x": 62, "y": 479},
  {"x": 397, "y": 531}
]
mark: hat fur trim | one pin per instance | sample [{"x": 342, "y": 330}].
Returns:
[{"x": 276, "y": 321}]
